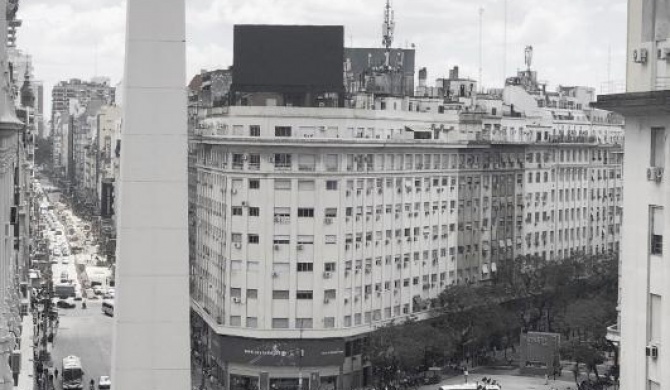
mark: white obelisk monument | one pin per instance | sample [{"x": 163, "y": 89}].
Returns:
[{"x": 151, "y": 347}]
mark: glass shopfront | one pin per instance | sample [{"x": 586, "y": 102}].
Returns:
[{"x": 240, "y": 382}]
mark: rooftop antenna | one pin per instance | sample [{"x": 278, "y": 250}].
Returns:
[
  {"x": 609, "y": 68},
  {"x": 387, "y": 31},
  {"x": 481, "y": 18},
  {"x": 505, "y": 44}
]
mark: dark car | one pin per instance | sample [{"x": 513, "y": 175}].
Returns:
[{"x": 67, "y": 303}]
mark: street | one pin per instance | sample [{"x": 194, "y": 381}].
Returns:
[{"x": 86, "y": 333}]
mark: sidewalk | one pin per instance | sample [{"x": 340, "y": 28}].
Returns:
[{"x": 26, "y": 379}]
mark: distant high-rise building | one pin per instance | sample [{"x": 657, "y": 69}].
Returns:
[
  {"x": 69, "y": 102},
  {"x": 643, "y": 329}
]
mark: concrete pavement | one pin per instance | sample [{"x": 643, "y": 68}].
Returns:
[{"x": 26, "y": 375}]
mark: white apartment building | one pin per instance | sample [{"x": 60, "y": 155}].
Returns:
[
  {"x": 643, "y": 328},
  {"x": 313, "y": 226}
]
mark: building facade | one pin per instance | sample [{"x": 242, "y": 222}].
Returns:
[
  {"x": 69, "y": 103},
  {"x": 312, "y": 226},
  {"x": 644, "y": 291}
]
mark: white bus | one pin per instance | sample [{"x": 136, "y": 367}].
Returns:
[
  {"x": 72, "y": 373},
  {"x": 470, "y": 386},
  {"x": 108, "y": 307}
]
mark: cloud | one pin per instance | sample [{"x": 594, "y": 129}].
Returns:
[{"x": 572, "y": 39}]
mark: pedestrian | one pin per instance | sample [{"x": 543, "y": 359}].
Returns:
[{"x": 56, "y": 373}]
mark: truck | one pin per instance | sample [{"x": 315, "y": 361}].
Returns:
[
  {"x": 64, "y": 290},
  {"x": 73, "y": 375}
]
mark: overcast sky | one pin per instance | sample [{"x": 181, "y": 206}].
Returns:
[{"x": 573, "y": 40}]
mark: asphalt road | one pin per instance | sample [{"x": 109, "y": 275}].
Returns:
[{"x": 86, "y": 333}]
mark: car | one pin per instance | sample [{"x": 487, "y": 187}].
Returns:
[
  {"x": 65, "y": 261},
  {"x": 57, "y": 252},
  {"x": 104, "y": 383},
  {"x": 97, "y": 290},
  {"x": 67, "y": 303}
]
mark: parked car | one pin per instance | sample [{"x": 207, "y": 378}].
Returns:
[
  {"x": 67, "y": 303},
  {"x": 104, "y": 383}
]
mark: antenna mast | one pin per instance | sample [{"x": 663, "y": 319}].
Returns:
[
  {"x": 505, "y": 46},
  {"x": 387, "y": 31},
  {"x": 481, "y": 17}
]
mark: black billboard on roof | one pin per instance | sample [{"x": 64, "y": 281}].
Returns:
[{"x": 288, "y": 58}]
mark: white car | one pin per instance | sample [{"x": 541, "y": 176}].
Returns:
[
  {"x": 104, "y": 383},
  {"x": 57, "y": 252}
]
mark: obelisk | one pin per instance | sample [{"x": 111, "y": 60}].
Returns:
[{"x": 151, "y": 348}]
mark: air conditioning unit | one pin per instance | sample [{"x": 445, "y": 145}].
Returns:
[
  {"x": 327, "y": 275},
  {"x": 347, "y": 247},
  {"x": 328, "y": 220},
  {"x": 379, "y": 191},
  {"x": 244, "y": 204},
  {"x": 238, "y": 245},
  {"x": 236, "y": 300},
  {"x": 652, "y": 351},
  {"x": 348, "y": 193},
  {"x": 346, "y": 300},
  {"x": 640, "y": 56},
  {"x": 326, "y": 300},
  {"x": 301, "y": 247},
  {"x": 655, "y": 174},
  {"x": 368, "y": 270},
  {"x": 276, "y": 247},
  {"x": 275, "y": 274}
]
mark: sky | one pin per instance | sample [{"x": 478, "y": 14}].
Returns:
[{"x": 575, "y": 42}]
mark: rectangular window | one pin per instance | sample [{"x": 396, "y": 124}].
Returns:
[
  {"x": 254, "y": 131},
  {"x": 279, "y": 323},
  {"x": 329, "y": 267},
  {"x": 304, "y": 294},
  {"x": 282, "y": 131},
  {"x": 254, "y": 211},
  {"x": 329, "y": 322},
  {"x": 656, "y": 230},
  {"x": 331, "y": 185},
  {"x": 331, "y": 162},
  {"x": 305, "y": 213},
  {"x": 303, "y": 323},
  {"x": 280, "y": 294},
  {"x": 655, "y": 319},
  {"x": 283, "y": 160},
  {"x": 253, "y": 238},
  {"x": 282, "y": 185},
  {"x": 657, "y": 148},
  {"x": 252, "y": 293},
  {"x": 235, "y": 321},
  {"x": 305, "y": 267},
  {"x": 237, "y": 210},
  {"x": 252, "y": 322},
  {"x": 254, "y": 184}
]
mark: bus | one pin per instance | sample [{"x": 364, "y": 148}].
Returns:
[
  {"x": 73, "y": 375},
  {"x": 108, "y": 307},
  {"x": 471, "y": 386}
]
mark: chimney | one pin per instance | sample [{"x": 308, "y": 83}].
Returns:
[{"x": 423, "y": 75}]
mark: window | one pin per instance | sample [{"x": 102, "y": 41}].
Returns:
[
  {"x": 235, "y": 321},
  {"x": 331, "y": 185},
  {"x": 303, "y": 323},
  {"x": 237, "y": 210},
  {"x": 235, "y": 293},
  {"x": 329, "y": 267},
  {"x": 332, "y": 162},
  {"x": 657, "y": 148},
  {"x": 329, "y": 322},
  {"x": 254, "y": 131},
  {"x": 331, "y": 239},
  {"x": 283, "y": 160},
  {"x": 254, "y": 184},
  {"x": 252, "y": 322},
  {"x": 655, "y": 321},
  {"x": 280, "y": 294},
  {"x": 282, "y": 185},
  {"x": 656, "y": 230},
  {"x": 305, "y": 267},
  {"x": 304, "y": 294},
  {"x": 254, "y": 211},
  {"x": 279, "y": 323},
  {"x": 282, "y": 131},
  {"x": 305, "y": 213},
  {"x": 253, "y": 239},
  {"x": 252, "y": 293}
]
